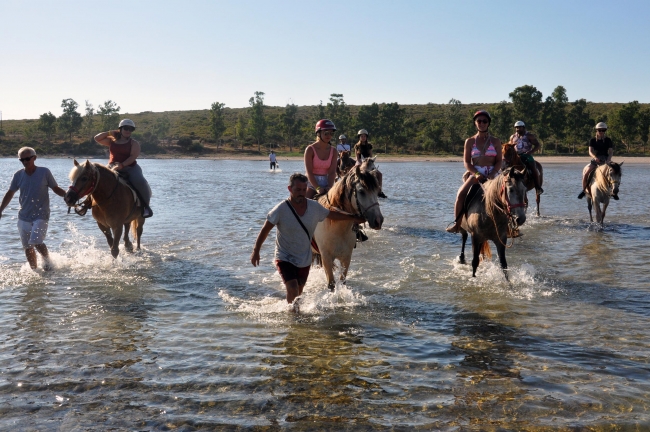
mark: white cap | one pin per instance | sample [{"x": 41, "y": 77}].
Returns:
[
  {"x": 601, "y": 125},
  {"x": 342, "y": 137},
  {"x": 520, "y": 123},
  {"x": 127, "y": 122},
  {"x": 363, "y": 132}
]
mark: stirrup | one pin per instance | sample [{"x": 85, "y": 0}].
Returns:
[
  {"x": 540, "y": 191},
  {"x": 381, "y": 194},
  {"x": 147, "y": 212}
]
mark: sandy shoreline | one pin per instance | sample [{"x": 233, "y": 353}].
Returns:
[{"x": 579, "y": 160}]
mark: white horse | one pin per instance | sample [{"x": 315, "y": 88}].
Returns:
[
  {"x": 356, "y": 193},
  {"x": 603, "y": 184}
]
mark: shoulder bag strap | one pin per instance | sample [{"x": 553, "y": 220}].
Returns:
[{"x": 298, "y": 218}]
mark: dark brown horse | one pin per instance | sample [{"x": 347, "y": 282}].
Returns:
[
  {"x": 344, "y": 164},
  {"x": 495, "y": 213},
  {"x": 511, "y": 159},
  {"x": 113, "y": 204}
]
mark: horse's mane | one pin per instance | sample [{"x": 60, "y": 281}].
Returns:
[
  {"x": 492, "y": 195},
  {"x": 76, "y": 170},
  {"x": 366, "y": 176}
]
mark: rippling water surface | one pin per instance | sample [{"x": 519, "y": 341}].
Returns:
[{"x": 188, "y": 335}]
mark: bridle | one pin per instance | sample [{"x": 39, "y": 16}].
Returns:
[
  {"x": 90, "y": 189},
  {"x": 513, "y": 226},
  {"x": 353, "y": 192}
]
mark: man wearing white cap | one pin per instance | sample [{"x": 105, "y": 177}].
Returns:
[
  {"x": 601, "y": 150},
  {"x": 527, "y": 144}
]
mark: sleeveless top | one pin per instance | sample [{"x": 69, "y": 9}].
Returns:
[
  {"x": 120, "y": 152},
  {"x": 321, "y": 167},
  {"x": 490, "y": 151},
  {"x": 523, "y": 143}
]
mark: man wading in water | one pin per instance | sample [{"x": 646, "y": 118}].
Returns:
[
  {"x": 296, "y": 219},
  {"x": 34, "y": 214}
]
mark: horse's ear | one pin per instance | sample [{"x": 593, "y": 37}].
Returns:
[
  {"x": 621, "y": 164},
  {"x": 76, "y": 163}
]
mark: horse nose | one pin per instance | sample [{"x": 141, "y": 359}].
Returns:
[
  {"x": 379, "y": 221},
  {"x": 521, "y": 219}
]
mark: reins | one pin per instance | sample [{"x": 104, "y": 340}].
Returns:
[
  {"x": 513, "y": 227},
  {"x": 82, "y": 208}
]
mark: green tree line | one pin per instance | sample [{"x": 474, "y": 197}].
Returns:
[{"x": 563, "y": 127}]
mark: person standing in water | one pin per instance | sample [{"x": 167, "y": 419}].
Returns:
[
  {"x": 34, "y": 215},
  {"x": 123, "y": 154},
  {"x": 296, "y": 219},
  {"x": 272, "y": 160}
]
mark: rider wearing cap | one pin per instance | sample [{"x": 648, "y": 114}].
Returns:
[
  {"x": 363, "y": 150},
  {"x": 527, "y": 144},
  {"x": 320, "y": 159},
  {"x": 482, "y": 158},
  {"x": 343, "y": 144},
  {"x": 123, "y": 154},
  {"x": 601, "y": 150}
]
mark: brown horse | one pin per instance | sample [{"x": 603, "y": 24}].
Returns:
[
  {"x": 356, "y": 194},
  {"x": 511, "y": 159},
  {"x": 344, "y": 164},
  {"x": 114, "y": 206},
  {"x": 495, "y": 213}
]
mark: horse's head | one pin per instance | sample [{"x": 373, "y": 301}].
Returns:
[
  {"x": 345, "y": 163},
  {"x": 510, "y": 156},
  {"x": 513, "y": 191},
  {"x": 365, "y": 186},
  {"x": 84, "y": 178},
  {"x": 614, "y": 173}
]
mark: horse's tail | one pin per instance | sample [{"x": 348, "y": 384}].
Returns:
[{"x": 486, "y": 252}]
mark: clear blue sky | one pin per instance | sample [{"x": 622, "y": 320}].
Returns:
[{"x": 183, "y": 55}]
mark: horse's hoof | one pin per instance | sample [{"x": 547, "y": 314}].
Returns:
[{"x": 115, "y": 252}]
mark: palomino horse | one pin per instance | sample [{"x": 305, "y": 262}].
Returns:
[
  {"x": 511, "y": 159},
  {"x": 356, "y": 194},
  {"x": 603, "y": 184},
  {"x": 113, "y": 204},
  {"x": 344, "y": 164},
  {"x": 495, "y": 213}
]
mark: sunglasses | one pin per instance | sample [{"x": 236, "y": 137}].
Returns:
[
  {"x": 601, "y": 130},
  {"x": 26, "y": 159},
  {"x": 481, "y": 121},
  {"x": 327, "y": 133},
  {"x": 128, "y": 128}
]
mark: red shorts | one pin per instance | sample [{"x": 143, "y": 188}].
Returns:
[{"x": 290, "y": 272}]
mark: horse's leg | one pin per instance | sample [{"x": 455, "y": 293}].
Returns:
[
  {"x": 107, "y": 232},
  {"x": 501, "y": 250},
  {"x": 345, "y": 263},
  {"x": 461, "y": 258},
  {"x": 589, "y": 205},
  {"x": 602, "y": 215},
  {"x": 128, "y": 246},
  {"x": 117, "y": 235},
  {"x": 599, "y": 214},
  {"x": 537, "y": 200},
  {"x": 328, "y": 265},
  {"x": 139, "y": 226},
  {"x": 476, "y": 249}
]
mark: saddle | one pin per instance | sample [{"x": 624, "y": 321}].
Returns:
[
  {"x": 475, "y": 191},
  {"x": 123, "y": 178}
]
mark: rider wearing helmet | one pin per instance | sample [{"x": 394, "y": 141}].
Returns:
[
  {"x": 363, "y": 150},
  {"x": 527, "y": 144},
  {"x": 123, "y": 154},
  {"x": 320, "y": 159},
  {"x": 482, "y": 158},
  {"x": 601, "y": 150},
  {"x": 343, "y": 144}
]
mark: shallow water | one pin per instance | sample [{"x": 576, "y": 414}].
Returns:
[{"x": 188, "y": 335}]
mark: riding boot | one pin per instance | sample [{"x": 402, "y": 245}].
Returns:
[
  {"x": 381, "y": 194},
  {"x": 146, "y": 210},
  {"x": 538, "y": 188}
]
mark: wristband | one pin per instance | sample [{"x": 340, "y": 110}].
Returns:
[{"x": 477, "y": 174}]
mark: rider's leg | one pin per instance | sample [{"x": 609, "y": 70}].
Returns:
[
  {"x": 586, "y": 175},
  {"x": 380, "y": 178},
  {"x": 530, "y": 164},
  {"x": 458, "y": 205},
  {"x": 141, "y": 187}
]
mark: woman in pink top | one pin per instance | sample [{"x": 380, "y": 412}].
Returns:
[{"x": 320, "y": 160}]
